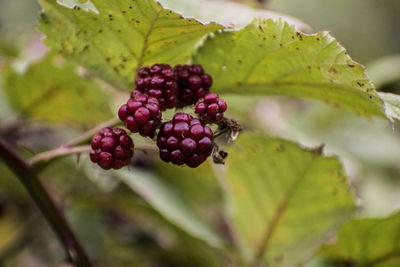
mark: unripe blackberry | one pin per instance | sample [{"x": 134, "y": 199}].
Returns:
[
  {"x": 193, "y": 83},
  {"x": 159, "y": 82},
  {"x": 141, "y": 114},
  {"x": 184, "y": 140},
  {"x": 211, "y": 108},
  {"x": 111, "y": 148}
]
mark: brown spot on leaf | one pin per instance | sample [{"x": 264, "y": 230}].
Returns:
[
  {"x": 332, "y": 69},
  {"x": 279, "y": 148}
]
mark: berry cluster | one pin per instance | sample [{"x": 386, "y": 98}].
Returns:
[
  {"x": 182, "y": 140},
  {"x": 111, "y": 148},
  {"x": 159, "y": 82},
  {"x": 211, "y": 108},
  {"x": 185, "y": 140},
  {"x": 193, "y": 83},
  {"x": 141, "y": 114}
]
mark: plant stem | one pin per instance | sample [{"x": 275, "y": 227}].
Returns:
[
  {"x": 87, "y": 135},
  {"x": 146, "y": 147},
  {"x": 58, "y": 152},
  {"x": 64, "y": 151},
  {"x": 221, "y": 132},
  {"x": 46, "y": 205}
]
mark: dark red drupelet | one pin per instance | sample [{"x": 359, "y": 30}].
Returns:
[
  {"x": 141, "y": 114},
  {"x": 193, "y": 83},
  {"x": 185, "y": 140},
  {"x": 111, "y": 148},
  {"x": 211, "y": 108},
  {"x": 159, "y": 82}
]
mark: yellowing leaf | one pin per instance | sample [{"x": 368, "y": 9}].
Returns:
[
  {"x": 285, "y": 201},
  {"x": 368, "y": 242},
  {"x": 116, "y": 37},
  {"x": 56, "y": 94},
  {"x": 270, "y": 57}
]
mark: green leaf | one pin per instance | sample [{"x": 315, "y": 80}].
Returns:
[
  {"x": 202, "y": 193},
  {"x": 368, "y": 242},
  {"x": 53, "y": 91},
  {"x": 115, "y": 37},
  {"x": 286, "y": 202},
  {"x": 270, "y": 57},
  {"x": 240, "y": 15},
  {"x": 169, "y": 204},
  {"x": 89, "y": 227},
  {"x": 392, "y": 104}
]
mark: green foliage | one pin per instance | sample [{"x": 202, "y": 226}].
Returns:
[
  {"x": 89, "y": 228},
  {"x": 367, "y": 242},
  {"x": 204, "y": 193},
  {"x": 117, "y": 37},
  {"x": 287, "y": 201},
  {"x": 167, "y": 201},
  {"x": 392, "y": 104},
  {"x": 270, "y": 57},
  {"x": 283, "y": 201},
  {"x": 53, "y": 91}
]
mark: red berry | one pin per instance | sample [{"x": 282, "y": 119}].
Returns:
[
  {"x": 141, "y": 114},
  {"x": 193, "y": 83},
  {"x": 184, "y": 140},
  {"x": 211, "y": 108},
  {"x": 159, "y": 82},
  {"x": 111, "y": 148}
]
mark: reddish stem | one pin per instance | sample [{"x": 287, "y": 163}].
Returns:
[{"x": 40, "y": 196}]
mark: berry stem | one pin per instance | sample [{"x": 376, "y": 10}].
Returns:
[
  {"x": 221, "y": 132},
  {"x": 146, "y": 147},
  {"x": 45, "y": 203},
  {"x": 65, "y": 151},
  {"x": 58, "y": 152},
  {"x": 87, "y": 135}
]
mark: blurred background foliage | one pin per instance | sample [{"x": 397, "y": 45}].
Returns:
[{"x": 116, "y": 225}]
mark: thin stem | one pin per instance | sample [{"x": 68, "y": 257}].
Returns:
[
  {"x": 65, "y": 151},
  {"x": 58, "y": 152},
  {"x": 87, "y": 135},
  {"x": 45, "y": 203},
  {"x": 146, "y": 147},
  {"x": 221, "y": 132}
]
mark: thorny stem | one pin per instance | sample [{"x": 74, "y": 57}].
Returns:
[{"x": 45, "y": 203}]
